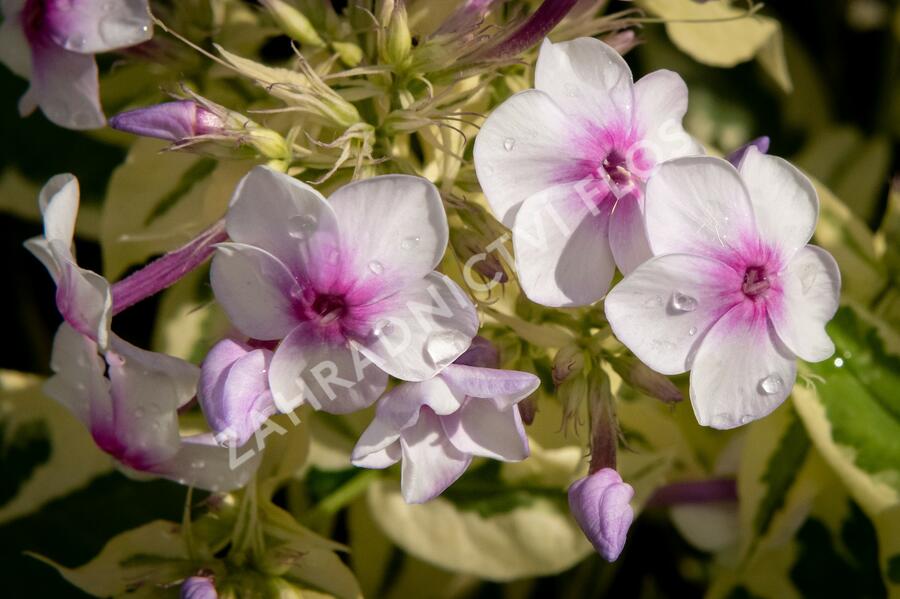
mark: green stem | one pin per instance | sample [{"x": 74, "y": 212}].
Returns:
[{"x": 342, "y": 496}]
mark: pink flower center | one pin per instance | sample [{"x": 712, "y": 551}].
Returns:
[
  {"x": 615, "y": 167},
  {"x": 329, "y": 308},
  {"x": 756, "y": 281}
]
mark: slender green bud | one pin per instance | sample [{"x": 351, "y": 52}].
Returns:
[
  {"x": 269, "y": 143},
  {"x": 293, "y": 22},
  {"x": 399, "y": 40},
  {"x": 569, "y": 361},
  {"x": 349, "y": 53},
  {"x": 641, "y": 377}
]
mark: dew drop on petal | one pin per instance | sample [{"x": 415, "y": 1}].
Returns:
[
  {"x": 382, "y": 327},
  {"x": 74, "y": 43},
  {"x": 410, "y": 242},
  {"x": 745, "y": 419},
  {"x": 683, "y": 303},
  {"x": 301, "y": 226},
  {"x": 772, "y": 384},
  {"x": 376, "y": 267},
  {"x": 508, "y": 144},
  {"x": 692, "y": 331},
  {"x": 444, "y": 347}
]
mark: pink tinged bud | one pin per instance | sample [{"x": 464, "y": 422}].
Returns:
[
  {"x": 528, "y": 409},
  {"x": 531, "y": 31},
  {"x": 760, "y": 143},
  {"x": 172, "y": 121},
  {"x": 198, "y": 587},
  {"x": 600, "y": 504},
  {"x": 568, "y": 362},
  {"x": 647, "y": 381},
  {"x": 481, "y": 353},
  {"x": 622, "y": 41}
]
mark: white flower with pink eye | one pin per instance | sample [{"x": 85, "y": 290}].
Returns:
[
  {"x": 52, "y": 43},
  {"x": 564, "y": 165},
  {"x": 734, "y": 293},
  {"x": 347, "y": 285}
]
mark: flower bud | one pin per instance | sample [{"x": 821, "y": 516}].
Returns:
[
  {"x": 268, "y": 143},
  {"x": 481, "y": 353},
  {"x": 622, "y": 41},
  {"x": 198, "y": 587},
  {"x": 600, "y": 504},
  {"x": 760, "y": 143},
  {"x": 349, "y": 53},
  {"x": 472, "y": 251},
  {"x": 641, "y": 377},
  {"x": 572, "y": 393},
  {"x": 172, "y": 121},
  {"x": 293, "y": 22},
  {"x": 568, "y": 362},
  {"x": 528, "y": 409},
  {"x": 398, "y": 42}
]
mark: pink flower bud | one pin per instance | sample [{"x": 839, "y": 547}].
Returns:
[
  {"x": 198, "y": 587},
  {"x": 172, "y": 121},
  {"x": 600, "y": 504},
  {"x": 760, "y": 143}
]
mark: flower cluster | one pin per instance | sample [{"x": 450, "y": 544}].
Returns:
[{"x": 341, "y": 302}]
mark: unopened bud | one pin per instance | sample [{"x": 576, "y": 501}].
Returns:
[
  {"x": 398, "y": 41},
  {"x": 173, "y": 121},
  {"x": 349, "y": 53},
  {"x": 572, "y": 393},
  {"x": 198, "y": 587},
  {"x": 568, "y": 362},
  {"x": 647, "y": 381},
  {"x": 528, "y": 408},
  {"x": 760, "y": 143},
  {"x": 622, "y": 41},
  {"x": 600, "y": 503},
  {"x": 268, "y": 143},
  {"x": 293, "y": 22},
  {"x": 472, "y": 252},
  {"x": 481, "y": 353}
]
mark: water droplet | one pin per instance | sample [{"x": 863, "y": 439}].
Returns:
[
  {"x": 653, "y": 302},
  {"x": 772, "y": 384},
  {"x": 74, "y": 43},
  {"x": 838, "y": 362},
  {"x": 301, "y": 225},
  {"x": 684, "y": 303},
  {"x": 808, "y": 277},
  {"x": 746, "y": 418},
  {"x": 444, "y": 347},
  {"x": 692, "y": 331},
  {"x": 376, "y": 267},
  {"x": 508, "y": 144},
  {"x": 382, "y": 327},
  {"x": 410, "y": 242}
]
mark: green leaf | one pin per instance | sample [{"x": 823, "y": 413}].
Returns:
[{"x": 780, "y": 474}]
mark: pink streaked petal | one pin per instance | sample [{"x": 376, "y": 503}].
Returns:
[
  {"x": 587, "y": 79},
  {"x": 811, "y": 284},
  {"x": 255, "y": 290},
  {"x": 64, "y": 84},
  {"x": 742, "y": 370},
  {"x": 83, "y": 297},
  {"x": 627, "y": 233},
  {"x": 378, "y": 446},
  {"x": 647, "y": 309},
  {"x": 400, "y": 407},
  {"x": 288, "y": 219},
  {"x": 181, "y": 376},
  {"x": 480, "y": 429},
  {"x": 393, "y": 230},
  {"x": 562, "y": 248},
  {"x": 523, "y": 148},
  {"x": 200, "y": 462},
  {"x": 784, "y": 201},
  {"x": 698, "y": 205},
  {"x": 430, "y": 462},
  {"x": 661, "y": 101},
  {"x": 330, "y": 376},
  {"x": 504, "y": 388},
  {"x": 94, "y": 26},
  {"x": 78, "y": 379},
  {"x": 421, "y": 329}
]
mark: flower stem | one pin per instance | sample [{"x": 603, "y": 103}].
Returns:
[{"x": 702, "y": 491}]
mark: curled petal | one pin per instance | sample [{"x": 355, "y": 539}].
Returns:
[{"x": 430, "y": 462}]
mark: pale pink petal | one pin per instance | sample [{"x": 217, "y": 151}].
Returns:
[
  {"x": 811, "y": 286},
  {"x": 663, "y": 309},
  {"x": 64, "y": 84},
  {"x": 381, "y": 458},
  {"x": 479, "y": 428},
  {"x": 94, "y": 26},
  {"x": 202, "y": 463},
  {"x": 83, "y": 298},
  {"x": 400, "y": 407},
  {"x": 525, "y": 146},
  {"x": 742, "y": 370},
  {"x": 627, "y": 233},
  {"x": 504, "y": 388},
  {"x": 78, "y": 379},
  {"x": 288, "y": 219},
  {"x": 421, "y": 329},
  {"x": 784, "y": 201},
  {"x": 378, "y": 446},
  {"x": 330, "y": 376},
  {"x": 661, "y": 101},
  {"x": 698, "y": 205},
  {"x": 255, "y": 290},
  {"x": 430, "y": 462},
  {"x": 562, "y": 248},
  {"x": 587, "y": 79},
  {"x": 393, "y": 229}
]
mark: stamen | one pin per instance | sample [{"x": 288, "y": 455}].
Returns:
[{"x": 755, "y": 282}]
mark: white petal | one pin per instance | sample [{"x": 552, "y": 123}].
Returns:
[
  {"x": 332, "y": 377},
  {"x": 522, "y": 148},
  {"x": 479, "y": 428},
  {"x": 393, "y": 229},
  {"x": 58, "y": 201},
  {"x": 811, "y": 285},
  {"x": 662, "y": 310},
  {"x": 784, "y": 201},
  {"x": 78, "y": 373},
  {"x": 401, "y": 406},
  {"x": 255, "y": 290},
  {"x": 287, "y": 218},
  {"x": 14, "y": 49},
  {"x": 94, "y": 26},
  {"x": 742, "y": 370},
  {"x": 201, "y": 463},
  {"x": 562, "y": 248},
  {"x": 378, "y": 446},
  {"x": 697, "y": 205},
  {"x": 64, "y": 84},
  {"x": 421, "y": 329},
  {"x": 504, "y": 388},
  {"x": 627, "y": 233},
  {"x": 382, "y": 458},
  {"x": 661, "y": 100},
  {"x": 587, "y": 79},
  {"x": 430, "y": 462}
]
